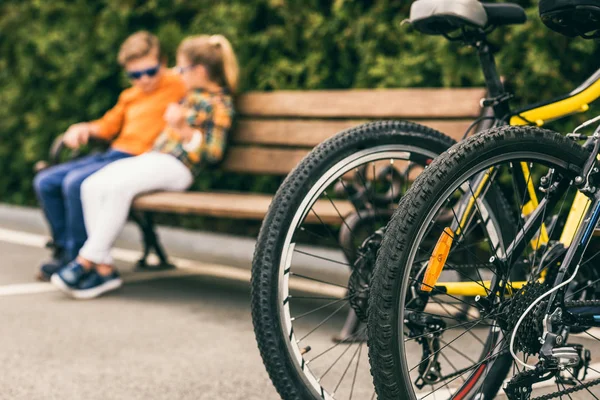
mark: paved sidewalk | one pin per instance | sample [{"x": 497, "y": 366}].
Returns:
[
  {"x": 180, "y": 337},
  {"x": 180, "y": 334}
]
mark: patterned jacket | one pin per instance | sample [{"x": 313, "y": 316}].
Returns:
[{"x": 212, "y": 114}]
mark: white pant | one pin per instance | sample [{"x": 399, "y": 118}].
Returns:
[{"x": 106, "y": 197}]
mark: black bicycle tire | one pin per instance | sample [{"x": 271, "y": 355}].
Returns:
[
  {"x": 265, "y": 316},
  {"x": 390, "y": 267}
]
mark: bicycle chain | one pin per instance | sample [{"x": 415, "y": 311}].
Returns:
[
  {"x": 582, "y": 303},
  {"x": 574, "y": 389}
]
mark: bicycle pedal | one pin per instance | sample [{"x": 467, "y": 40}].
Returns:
[{"x": 566, "y": 356}]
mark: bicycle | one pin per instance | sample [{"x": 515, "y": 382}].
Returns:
[
  {"x": 536, "y": 331},
  {"x": 296, "y": 303}
]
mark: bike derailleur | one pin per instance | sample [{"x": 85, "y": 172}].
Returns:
[
  {"x": 566, "y": 362},
  {"x": 426, "y": 330},
  {"x": 521, "y": 385},
  {"x": 569, "y": 366}
]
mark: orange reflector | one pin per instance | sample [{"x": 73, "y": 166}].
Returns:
[{"x": 437, "y": 260}]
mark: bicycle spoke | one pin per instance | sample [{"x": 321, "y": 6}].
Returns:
[
  {"x": 355, "y": 372},
  {"x": 436, "y": 352},
  {"x": 322, "y": 322},
  {"x": 296, "y": 318},
  {"x": 532, "y": 278},
  {"x": 330, "y": 233},
  {"x": 341, "y": 181},
  {"x": 339, "y": 214},
  {"x": 591, "y": 258},
  {"x": 472, "y": 334},
  {"x": 303, "y": 229},
  {"x": 581, "y": 383},
  {"x": 347, "y": 368},
  {"x": 564, "y": 388},
  {"x": 458, "y": 352},
  {"x": 441, "y": 330},
  {"x": 335, "y": 362},
  {"x": 345, "y": 341},
  {"x": 321, "y": 257},
  {"x": 473, "y": 366},
  {"x": 589, "y": 334},
  {"x": 367, "y": 191},
  {"x": 495, "y": 251},
  {"x": 452, "y": 365},
  {"x": 316, "y": 280},
  {"x": 313, "y": 297},
  {"x": 520, "y": 219}
]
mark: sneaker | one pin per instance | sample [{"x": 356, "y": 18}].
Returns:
[
  {"x": 67, "y": 278},
  {"x": 51, "y": 267},
  {"x": 94, "y": 285}
]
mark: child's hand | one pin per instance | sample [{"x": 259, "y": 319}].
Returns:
[
  {"x": 175, "y": 115},
  {"x": 77, "y": 135}
]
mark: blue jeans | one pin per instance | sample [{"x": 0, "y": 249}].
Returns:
[{"x": 58, "y": 189}]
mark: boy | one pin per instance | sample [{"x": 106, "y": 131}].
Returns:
[{"x": 134, "y": 124}]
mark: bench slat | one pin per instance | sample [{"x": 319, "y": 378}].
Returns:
[
  {"x": 309, "y": 133},
  {"x": 257, "y": 160},
  {"x": 231, "y": 205},
  {"x": 383, "y": 103}
]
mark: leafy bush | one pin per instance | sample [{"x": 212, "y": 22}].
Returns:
[{"x": 58, "y": 59}]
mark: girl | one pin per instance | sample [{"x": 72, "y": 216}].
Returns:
[{"x": 195, "y": 135}]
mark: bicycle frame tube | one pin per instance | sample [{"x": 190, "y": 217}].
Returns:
[
  {"x": 526, "y": 235},
  {"x": 575, "y": 102}
]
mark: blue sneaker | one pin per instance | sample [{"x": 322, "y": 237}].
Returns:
[
  {"x": 52, "y": 266},
  {"x": 94, "y": 285},
  {"x": 69, "y": 276}
]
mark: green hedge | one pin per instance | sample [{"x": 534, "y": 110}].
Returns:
[{"x": 58, "y": 60}]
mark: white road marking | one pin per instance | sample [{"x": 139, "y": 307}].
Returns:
[
  {"x": 26, "y": 288},
  {"x": 22, "y": 238},
  {"x": 184, "y": 267}
]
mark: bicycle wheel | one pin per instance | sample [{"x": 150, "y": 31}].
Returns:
[
  {"x": 417, "y": 348},
  {"x": 310, "y": 270}
]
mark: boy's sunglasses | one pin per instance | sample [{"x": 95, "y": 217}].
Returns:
[{"x": 138, "y": 74}]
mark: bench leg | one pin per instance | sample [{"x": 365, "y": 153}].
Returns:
[{"x": 151, "y": 243}]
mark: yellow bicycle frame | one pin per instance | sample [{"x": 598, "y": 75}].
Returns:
[{"x": 576, "y": 102}]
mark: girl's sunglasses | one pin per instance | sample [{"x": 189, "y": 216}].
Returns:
[{"x": 138, "y": 74}]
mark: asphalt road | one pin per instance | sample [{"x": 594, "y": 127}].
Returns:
[
  {"x": 185, "y": 337},
  {"x": 174, "y": 335}
]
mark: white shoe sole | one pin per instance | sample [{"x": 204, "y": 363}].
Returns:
[
  {"x": 109, "y": 286},
  {"x": 59, "y": 283}
]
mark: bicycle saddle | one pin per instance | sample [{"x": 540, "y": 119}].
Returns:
[
  {"x": 435, "y": 17},
  {"x": 572, "y": 17}
]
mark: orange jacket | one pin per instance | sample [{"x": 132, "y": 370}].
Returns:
[{"x": 138, "y": 116}]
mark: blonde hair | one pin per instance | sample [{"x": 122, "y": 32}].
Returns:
[
  {"x": 138, "y": 45},
  {"x": 216, "y": 55}
]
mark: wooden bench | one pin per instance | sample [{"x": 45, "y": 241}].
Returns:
[{"x": 275, "y": 130}]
